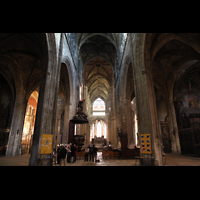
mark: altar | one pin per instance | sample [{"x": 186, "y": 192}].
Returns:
[{"x": 99, "y": 142}]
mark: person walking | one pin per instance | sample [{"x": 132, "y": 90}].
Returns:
[{"x": 86, "y": 153}]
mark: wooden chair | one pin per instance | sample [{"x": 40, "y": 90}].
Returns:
[
  {"x": 137, "y": 160},
  {"x": 112, "y": 155},
  {"x": 116, "y": 155}
]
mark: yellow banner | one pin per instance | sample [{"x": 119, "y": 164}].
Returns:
[
  {"x": 145, "y": 143},
  {"x": 46, "y": 144}
]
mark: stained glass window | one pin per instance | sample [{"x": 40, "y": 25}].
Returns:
[
  {"x": 99, "y": 129},
  {"x": 99, "y": 105}
]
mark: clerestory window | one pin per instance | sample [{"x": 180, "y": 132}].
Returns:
[{"x": 99, "y": 107}]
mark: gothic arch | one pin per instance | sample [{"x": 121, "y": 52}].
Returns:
[
  {"x": 24, "y": 50},
  {"x": 127, "y": 91},
  {"x": 167, "y": 38},
  {"x": 81, "y": 42},
  {"x": 96, "y": 97},
  {"x": 127, "y": 63},
  {"x": 51, "y": 47},
  {"x": 98, "y": 119},
  {"x": 93, "y": 77},
  {"x": 171, "y": 83},
  {"x": 9, "y": 74},
  {"x": 102, "y": 122},
  {"x": 101, "y": 56},
  {"x": 143, "y": 70},
  {"x": 71, "y": 75}
]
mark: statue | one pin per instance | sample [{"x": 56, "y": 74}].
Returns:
[
  {"x": 80, "y": 117},
  {"x": 80, "y": 112}
]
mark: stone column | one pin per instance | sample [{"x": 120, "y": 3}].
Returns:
[
  {"x": 108, "y": 131},
  {"x": 130, "y": 126},
  {"x": 47, "y": 104},
  {"x": 57, "y": 132},
  {"x": 113, "y": 138},
  {"x": 145, "y": 100},
  {"x": 87, "y": 141},
  {"x": 178, "y": 147},
  {"x": 66, "y": 125},
  {"x": 133, "y": 126},
  {"x": 113, "y": 129},
  {"x": 124, "y": 117},
  {"x": 16, "y": 130},
  {"x": 95, "y": 128},
  {"x": 44, "y": 116},
  {"x": 103, "y": 129},
  {"x": 173, "y": 128}
]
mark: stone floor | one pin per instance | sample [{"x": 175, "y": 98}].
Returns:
[
  {"x": 15, "y": 160},
  {"x": 101, "y": 162},
  {"x": 171, "y": 160}
]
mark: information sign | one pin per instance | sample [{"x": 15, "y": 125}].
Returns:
[
  {"x": 145, "y": 140},
  {"x": 46, "y": 144}
]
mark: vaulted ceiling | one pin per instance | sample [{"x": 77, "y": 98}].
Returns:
[
  {"x": 173, "y": 55},
  {"x": 98, "y": 54},
  {"x": 20, "y": 59},
  {"x": 102, "y": 45},
  {"x": 98, "y": 77}
]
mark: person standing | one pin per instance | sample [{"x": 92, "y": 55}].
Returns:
[
  {"x": 72, "y": 152},
  {"x": 63, "y": 153},
  {"x": 58, "y": 154},
  {"x": 94, "y": 153},
  {"x": 86, "y": 153},
  {"x": 54, "y": 151},
  {"x": 69, "y": 154},
  {"x": 75, "y": 152},
  {"x": 91, "y": 152}
]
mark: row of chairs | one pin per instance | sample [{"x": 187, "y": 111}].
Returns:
[
  {"x": 80, "y": 155},
  {"x": 110, "y": 155}
]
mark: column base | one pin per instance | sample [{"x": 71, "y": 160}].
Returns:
[
  {"x": 149, "y": 161},
  {"x": 44, "y": 162}
]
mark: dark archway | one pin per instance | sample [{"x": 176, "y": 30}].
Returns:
[
  {"x": 187, "y": 107},
  {"x": 168, "y": 55},
  {"x": 63, "y": 103},
  {"x": 130, "y": 114},
  {"x": 6, "y": 111},
  {"x": 29, "y": 123},
  {"x": 21, "y": 63}
]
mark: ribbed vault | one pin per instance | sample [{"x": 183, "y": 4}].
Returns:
[
  {"x": 98, "y": 77},
  {"x": 97, "y": 45}
]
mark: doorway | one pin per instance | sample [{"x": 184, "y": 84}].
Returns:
[{"x": 29, "y": 123}]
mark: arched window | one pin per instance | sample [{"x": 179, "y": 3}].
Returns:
[
  {"x": 92, "y": 131},
  {"x": 99, "y": 129},
  {"x": 99, "y": 107}
]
